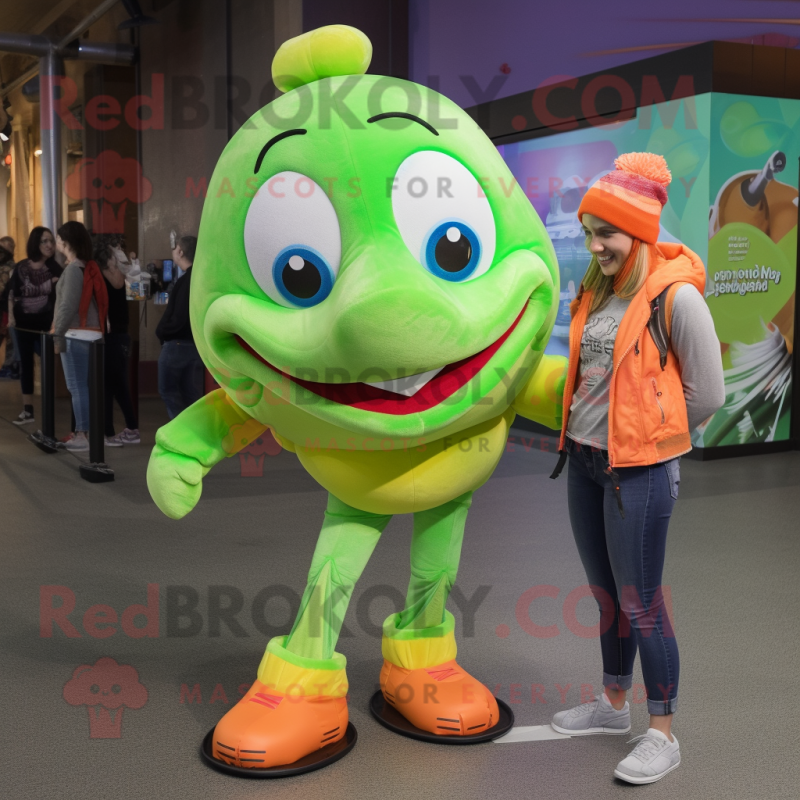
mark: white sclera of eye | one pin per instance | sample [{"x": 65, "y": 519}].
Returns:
[
  {"x": 420, "y": 203},
  {"x": 289, "y": 209}
]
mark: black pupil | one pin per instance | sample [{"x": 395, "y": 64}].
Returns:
[
  {"x": 453, "y": 256},
  {"x": 304, "y": 282}
]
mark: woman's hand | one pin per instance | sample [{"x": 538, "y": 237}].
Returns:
[{"x": 113, "y": 274}]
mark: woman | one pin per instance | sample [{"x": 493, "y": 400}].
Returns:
[
  {"x": 74, "y": 242},
  {"x": 6, "y": 271},
  {"x": 31, "y": 300},
  {"x": 117, "y": 351},
  {"x": 180, "y": 368},
  {"x": 627, "y": 420}
]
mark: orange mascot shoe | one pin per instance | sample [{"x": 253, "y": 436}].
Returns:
[
  {"x": 297, "y": 706},
  {"x": 422, "y": 681}
]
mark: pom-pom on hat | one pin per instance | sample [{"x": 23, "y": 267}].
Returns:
[{"x": 632, "y": 196}]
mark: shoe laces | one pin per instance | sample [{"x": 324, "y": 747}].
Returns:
[
  {"x": 582, "y": 708},
  {"x": 647, "y": 746}
]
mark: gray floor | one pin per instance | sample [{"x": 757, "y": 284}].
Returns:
[{"x": 732, "y": 564}]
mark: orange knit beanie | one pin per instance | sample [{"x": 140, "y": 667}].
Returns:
[{"x": 632, "y": 196}]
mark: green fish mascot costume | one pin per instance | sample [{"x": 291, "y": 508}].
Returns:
[{"x": 373, "y": 287}]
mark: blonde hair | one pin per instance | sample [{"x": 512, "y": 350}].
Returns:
[{"x": 602, "y": 285}]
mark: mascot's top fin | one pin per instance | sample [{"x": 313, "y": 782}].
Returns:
[{"x": 321, "y": 53}]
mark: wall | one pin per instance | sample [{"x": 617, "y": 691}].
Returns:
[
  {"x": 464, "y": 43},
  {"x": 216, "y": 59},
  {"x": 187, "y": 51},
  {"x": 385, "y": 23},
  {"x": 115, "y": 210}
]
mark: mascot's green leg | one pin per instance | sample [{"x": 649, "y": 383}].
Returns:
[
  {"x": 435, "y": 553},
  {"x": 420, "y": 676},
  {"x": 298, "y": 703},
  {"x": 345, "y": 544}
]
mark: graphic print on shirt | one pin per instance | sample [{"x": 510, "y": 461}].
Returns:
[
  {"x": 597, "y": 358},
  {"x": 37, "y": 285}
]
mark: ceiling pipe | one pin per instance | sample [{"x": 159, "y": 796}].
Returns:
[
  {"x": 137, "y": 18},
  {"x": 101, "y": 53},
  {"x": 50, "y": 68},
  {"x": 87, "y": 22},
  {"x": 26, "y": 43},
  {"x": 10, "y": 43}
]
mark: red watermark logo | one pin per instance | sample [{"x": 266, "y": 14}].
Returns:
[
  {"x": 195, "y": 693},
  {"x": 194, "y": 104},
  {"x": 272, "y": 609},
  {"x": 108, "y": 182},
  {"x": 251, "y": 458},
  {"x": 106, "y": 689}
]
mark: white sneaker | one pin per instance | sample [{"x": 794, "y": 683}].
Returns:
[
  {"x": 61, "y": 444},
  {"x": 25, "y": 418},
  {"x": 129, "y": 436},
  {"x": 78, "y": 443},
  {"x": 599, "y": 716},
  {"x": 652, "y": 758}
]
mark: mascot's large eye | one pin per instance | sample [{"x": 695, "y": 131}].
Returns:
[
  {"x": 292, "y": 240},
  {"x": 443, "y": 217}
]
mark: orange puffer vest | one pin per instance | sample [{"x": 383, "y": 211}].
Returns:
[{"x": 647, "y": 421}]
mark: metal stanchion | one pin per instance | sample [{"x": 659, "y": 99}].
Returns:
[
  {"x": 45, "y": 439},
  {"x": 96, "y": 471}
]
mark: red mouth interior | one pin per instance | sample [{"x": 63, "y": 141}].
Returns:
[{"x": 370, "y": 398}]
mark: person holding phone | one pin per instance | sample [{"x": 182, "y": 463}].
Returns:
[
  {"x": 31, "y": 304},
  {"x": 6, "y": 271},
  {"x": 631, "y": 399},
  {"x": 180, "y": 368}
]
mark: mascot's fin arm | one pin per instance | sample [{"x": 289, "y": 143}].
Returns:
[
  {"x": 209, "y": 430},
  {"x": 541, "y": 397}
]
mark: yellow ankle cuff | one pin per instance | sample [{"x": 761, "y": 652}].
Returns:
[
  {"x": 295, "y": 676},
  {"x": 412, "y": 649}
]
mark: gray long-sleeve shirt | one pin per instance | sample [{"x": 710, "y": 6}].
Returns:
[
  {"x": 696, "y": 347},
  {"x": 68, "y": 299}
]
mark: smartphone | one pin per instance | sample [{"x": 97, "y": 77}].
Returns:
[{"x": 167, "y": 271}]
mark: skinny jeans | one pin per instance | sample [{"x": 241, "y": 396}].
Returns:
[{"x": 622, "y": 551}]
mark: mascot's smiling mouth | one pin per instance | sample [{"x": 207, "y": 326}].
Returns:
[{"x": 371, "y": 397}]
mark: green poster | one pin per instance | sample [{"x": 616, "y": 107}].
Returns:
[{"x": 752, "y": 263}]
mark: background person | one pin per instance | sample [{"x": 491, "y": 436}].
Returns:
[
  {"x": 6, "y": 270},
  {"x": 7, "y": 243},
  {"x": 627, "y": 421},
  {"x": 117, "y": 351},
  {"x": 180, "y": 368},
  {"x": 10, "y": 366},
  {"x": 31, "y": 300},
  {"x": 75, "y": 244}
]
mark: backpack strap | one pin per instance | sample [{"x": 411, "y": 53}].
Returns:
[
  {"x": 660, "y": 322},
  {"x": 672, "y": 290}
]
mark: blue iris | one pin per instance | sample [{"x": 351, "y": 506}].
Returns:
[
  {"x": 302, "y": 275},
  {"x": 452, "y": 251}
]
